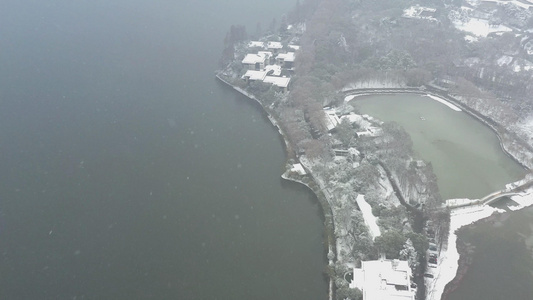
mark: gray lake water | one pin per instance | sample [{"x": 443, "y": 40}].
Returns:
[{"x": 128, "y": 172}]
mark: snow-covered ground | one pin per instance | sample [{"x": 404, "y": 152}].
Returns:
[
  {"x": 373, "y": 84},
  {"x": 450, "y": 105},
  {"x": 517, "y": 3},
  {"x": 504, "y": 60},
  {"x": 479, "y": 27},
  {"x": 370, "y": 219},
  {"x": 351, "y": 97},
  {"x": 523, "y": 200},
  {"x": 416, "y": 12},
  {"x": 444, "y": 102}
]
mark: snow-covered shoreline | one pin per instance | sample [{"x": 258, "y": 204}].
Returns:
[
  {"x": 449, "y": 259},
  {"x": 351, "y": 97},
  {"x": 444, "y": 102}
]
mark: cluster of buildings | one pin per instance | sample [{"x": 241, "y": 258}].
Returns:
[
  {"x": 332, "y": 120},
  {"x": 270, "y": 63},
  {"x": 384, "y": 279}
]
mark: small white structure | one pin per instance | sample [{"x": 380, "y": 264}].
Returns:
[
  {"x": 298, "y": 168},
  {"x": 256, "y": 44},
  {"x": 294, "y": 47},
  {"x": 384, "y": 279}
]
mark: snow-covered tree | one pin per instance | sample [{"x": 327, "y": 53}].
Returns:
[{"x": 409, "y": 253}]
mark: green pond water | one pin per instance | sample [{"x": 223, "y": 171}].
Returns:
[{"x": 465, "y": 154}]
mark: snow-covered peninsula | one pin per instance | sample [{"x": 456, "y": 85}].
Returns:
[{"x": 377, "y": 195}]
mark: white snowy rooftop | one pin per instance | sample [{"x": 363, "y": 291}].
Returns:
[
  {"x": 384, "y": 280},
  {"x": 289, "y": 56},
  {"x": 274, "y": 45},
  {"x": 298, "y": 168},
  {"x": 419, "y": 12},
  {"x": 255, "y": 75},
  {"x": 253, "y": 44},
  {"x": 276, "y": 69},
  {"x": 332, "y": 120},
  {"x": 294, "y": 47},
  {"x": 266, "y": 54},
  {"x": 252, "y": 58},
  {"x": 282, "y": 82}
]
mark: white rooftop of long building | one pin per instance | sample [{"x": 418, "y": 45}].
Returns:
[
  {"x": 253, "y": 44},
  {"x": 289, "y": 56},
  {"x": 282, "y": 82},
  {"x": 252, "y": 58},
  {"x": 274, "y": 45},
  {"x": 255, "y": 75},
  {"x": 295, "y": 47}
]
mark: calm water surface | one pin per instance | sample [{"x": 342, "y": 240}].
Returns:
[
  {"x": 128, "y": 172},
  {"x": 469, "y": 162},
  {"x": 502, "y": 265}
]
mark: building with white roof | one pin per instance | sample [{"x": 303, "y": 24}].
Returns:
[
  {"x": 255, "y": 61},
  {"x": 285, "y": 59},
  {"x": 268, "y": 55},
  {"x": 384, "y": 279},
  {"x": 274, "y": 46},
  {"x": 256, "y": 44},
  {"x": 253, "y": 75},
  {"x": 294, "y": 47},
  {"x": 282, "y": 82}
]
